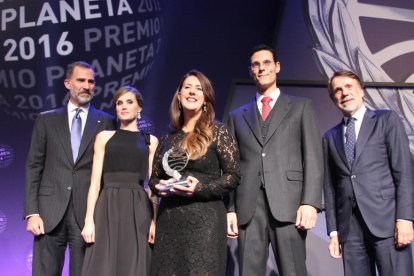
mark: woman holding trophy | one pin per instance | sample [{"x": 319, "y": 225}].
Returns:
[
  {"x": 195, "y": 166},
  {"x": 118, "y": 215}
]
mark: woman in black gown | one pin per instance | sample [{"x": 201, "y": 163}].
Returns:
[
  {"x": 191, "y": 227},
  {"x": 117, "y": 223}
]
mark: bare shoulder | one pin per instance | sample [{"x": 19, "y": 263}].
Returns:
[
  {"x": 153, "y": 141},
  {"x": 103, "y": 136}
]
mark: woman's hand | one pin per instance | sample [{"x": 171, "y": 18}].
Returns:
[
  {"x": 161, "y": 186},
  {"x": 88, "y": 232},
  {"x": 183, "y": 190},
  {"x": 151, "y": 234}
]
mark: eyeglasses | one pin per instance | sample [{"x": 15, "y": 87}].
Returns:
[{"x": 256, "y": 65}]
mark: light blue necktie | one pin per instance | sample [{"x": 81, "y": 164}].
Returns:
[
  {"x": 350, "y": 137},
  {"x": 76, "y": 133}
]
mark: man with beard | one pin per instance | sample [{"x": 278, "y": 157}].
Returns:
[{"x": 58, "y": 172}]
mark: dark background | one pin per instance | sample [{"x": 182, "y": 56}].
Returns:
[{"x": 214, "y": 37}]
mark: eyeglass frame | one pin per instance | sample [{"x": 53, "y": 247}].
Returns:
[{"x": 257, "y": 65}]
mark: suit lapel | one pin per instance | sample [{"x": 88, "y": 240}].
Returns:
[
  {"x": 250, "y": 115},
  {"x": 367, "y": 126},
  {"x": 281, "y": 108},
  {"x": 338, "y": 137},
  {"x": 62, "y": 129},
  {"x": 91, "y": 128}
]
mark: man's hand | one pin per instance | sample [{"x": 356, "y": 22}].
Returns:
[
  {"x": 306, "y": 217},
  {"x": 232, "y": 229},
  {"x": 35, "y": 225},
  {"x": 335, "y": 247},
  {"x": 403, "y": 233}
]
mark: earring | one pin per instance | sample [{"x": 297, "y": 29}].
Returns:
[
  {"x": 204, "y": 107},
  {"x": 179, "y": 105},
  {"x": 139, "y": 115}
]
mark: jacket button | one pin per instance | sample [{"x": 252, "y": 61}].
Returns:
[
  {"x": 263, "y": 154},
  {"x": 69, "y": 188}
]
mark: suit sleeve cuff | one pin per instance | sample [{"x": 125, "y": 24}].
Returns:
[{"x": 32, "y": 215}]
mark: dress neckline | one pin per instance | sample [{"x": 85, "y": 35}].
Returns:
[{"x": 130, "y": 131}]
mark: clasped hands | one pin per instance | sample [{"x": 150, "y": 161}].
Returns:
[{"x": 177, "y": 189}]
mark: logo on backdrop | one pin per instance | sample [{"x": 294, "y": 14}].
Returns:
[
  {"x": 373, "y": 39},
  {"x": 147, "y": 125},
  {"x": 29, "y": 260},
  {"x": 120, "y": 38},
  {"x": 3, "y": 222},
  {"x": 6, "y": 156}
]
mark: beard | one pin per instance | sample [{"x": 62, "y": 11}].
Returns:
[{"x": 83, "y": 98}]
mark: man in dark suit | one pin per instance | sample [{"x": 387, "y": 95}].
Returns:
[
  {"x": 281, "y": 173},
  {"x": 369, "y": 185},
  {"x": 58, "y": 172}
]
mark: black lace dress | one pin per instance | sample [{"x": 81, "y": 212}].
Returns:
[
  {"x": 191, "y": 232},
  {"x": 123, "y": 210}
]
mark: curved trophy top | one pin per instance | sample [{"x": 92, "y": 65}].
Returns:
[{"x": 174, "y": 161}]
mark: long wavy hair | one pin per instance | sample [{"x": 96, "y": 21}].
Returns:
[{"x": 197, "y": 141}]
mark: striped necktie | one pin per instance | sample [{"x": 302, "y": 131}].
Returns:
[{"x": 266, "y": 107}]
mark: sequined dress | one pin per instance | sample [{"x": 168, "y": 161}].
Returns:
[
  {"x": 191, "y": 231},
  {"x": 122, "y": 213}
]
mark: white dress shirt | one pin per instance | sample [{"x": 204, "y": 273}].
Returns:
[
  {"x": 72, "y": 112},
  {"x": 274, "y": 95}
]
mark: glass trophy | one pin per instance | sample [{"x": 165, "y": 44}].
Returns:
[{"x": 174, "y": 161}]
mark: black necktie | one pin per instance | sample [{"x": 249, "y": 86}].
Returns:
[{"x": 350, "y": 137}]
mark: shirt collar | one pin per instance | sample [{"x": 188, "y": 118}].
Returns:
[
  {"x": 274, "y": 95},
  {"x": 72, "y": 107},
  {"x": 359, "y": 115}
]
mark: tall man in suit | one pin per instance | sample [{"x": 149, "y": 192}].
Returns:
[
  {"x": 58, "y": 172},
  {"x": 282, "y": 169},
  {"x": 369, "y": 185}
]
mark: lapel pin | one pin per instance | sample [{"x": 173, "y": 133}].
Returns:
[{"x": 99, "y": 121}]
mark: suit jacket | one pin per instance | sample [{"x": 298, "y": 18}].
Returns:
[
  {"x": 52, "y": 176},
  {"x": 381, "y": 176},
  {"x": 289, "y": 162}
]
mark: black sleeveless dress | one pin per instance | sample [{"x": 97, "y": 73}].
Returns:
[{"x": 122, "y": 213}]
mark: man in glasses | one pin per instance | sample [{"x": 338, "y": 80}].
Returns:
[{"x": 282, "y": 169}]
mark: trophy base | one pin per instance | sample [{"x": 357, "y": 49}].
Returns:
[{"x": 181, "y": 182}]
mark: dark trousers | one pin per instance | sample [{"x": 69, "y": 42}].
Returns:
[
  {"x": 288, "y": 243},
  {"x": 363, "y": 253},
  {"x": 49, "y": 249}
]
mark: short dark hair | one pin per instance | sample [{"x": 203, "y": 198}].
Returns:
[
  {"x": 263, "y": 47},
  {"x": 344, "y": 73},
  {"x": 80, "y": 63}
]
